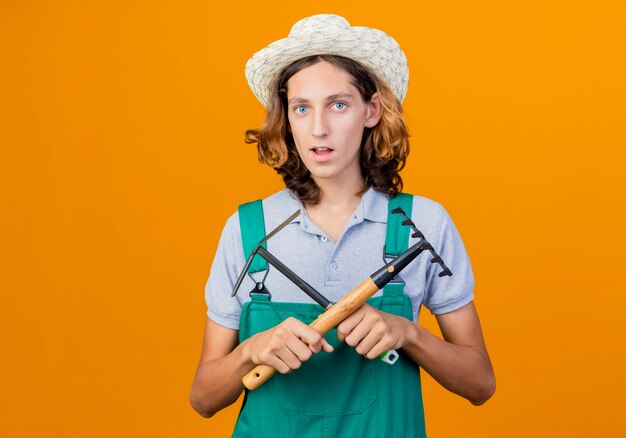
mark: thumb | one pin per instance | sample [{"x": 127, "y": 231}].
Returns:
[{"x": 326, "y": 346}]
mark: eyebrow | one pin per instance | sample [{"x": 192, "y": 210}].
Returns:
[{"x": 329, "y": 98}]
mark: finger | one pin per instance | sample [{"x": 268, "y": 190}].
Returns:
[
  {"x": 326, "y": 346},
  {"x": 289, "y": 358},
  {"x": 299, "y": 348},
  {"x": 378, "y": 349},
  {"x": 320, "y": 344},
  {"x": 280, "y": 366},
  {"x": 309, "y": 336},
  {"x": 366, "y": 344},
  {"x": 346, "y": 326},
  {"x": 359, "y": 332},
  {"x": 275, "y": 362}
]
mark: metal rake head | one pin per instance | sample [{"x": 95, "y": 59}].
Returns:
[{"x": 445, "y": 271}]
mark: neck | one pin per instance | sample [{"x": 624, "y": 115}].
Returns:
[{"x": 344, "y": 195}]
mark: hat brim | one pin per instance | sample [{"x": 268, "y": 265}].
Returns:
[{"x": 371, "y": 47}]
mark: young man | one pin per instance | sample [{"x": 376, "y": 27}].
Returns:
[{"x": 334, "y": 131}]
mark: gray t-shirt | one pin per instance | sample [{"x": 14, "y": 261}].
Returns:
[{"x": 335, "y": 268}]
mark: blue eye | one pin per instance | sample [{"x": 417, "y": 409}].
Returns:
[
  {"x": 300, "y": 109},
  {"x": 340, "y": 105}
]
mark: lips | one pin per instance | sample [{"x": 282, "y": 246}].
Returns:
[
  {"x": 321, "y": 153},
  {"x": 321, "y": 149}
]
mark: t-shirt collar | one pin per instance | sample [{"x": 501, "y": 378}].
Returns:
[{"x": 372, "y": 207}]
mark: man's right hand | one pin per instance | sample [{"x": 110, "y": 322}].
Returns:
[{"x": 285, "y": 346}]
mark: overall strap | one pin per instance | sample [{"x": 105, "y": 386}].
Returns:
[
  {"x": 252, "y": 226},
  {"x": 397, "y": 237}
]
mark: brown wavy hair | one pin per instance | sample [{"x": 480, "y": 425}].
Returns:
[{"x": 384, "y": 148}]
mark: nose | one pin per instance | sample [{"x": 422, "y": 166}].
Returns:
[{"x": 320, "y": 125}]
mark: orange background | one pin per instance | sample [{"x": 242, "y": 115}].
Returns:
[{"x": 122, "y": 154}]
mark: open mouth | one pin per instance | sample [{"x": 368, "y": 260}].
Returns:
[{"x": 321, "y": 150}]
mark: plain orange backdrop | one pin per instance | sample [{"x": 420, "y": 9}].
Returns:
[{"x": 122, "y": 154}]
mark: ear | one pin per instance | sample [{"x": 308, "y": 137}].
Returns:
[{"x": 374, "y": 111}]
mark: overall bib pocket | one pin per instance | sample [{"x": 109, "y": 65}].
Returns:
[{"x": 315, "y": 388}]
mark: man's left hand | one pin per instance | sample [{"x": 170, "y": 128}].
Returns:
[{"x": 373, "y": 332}]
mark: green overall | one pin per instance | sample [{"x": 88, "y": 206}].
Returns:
[{"x": 338, "y": 394}]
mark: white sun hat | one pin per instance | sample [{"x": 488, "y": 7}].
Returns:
[{"x": 328, "y": 34}]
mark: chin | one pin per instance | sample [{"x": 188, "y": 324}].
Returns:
[{"x": 323, "y": 176}]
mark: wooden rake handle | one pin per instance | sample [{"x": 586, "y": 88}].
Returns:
[{"x": 323, "y": 324}]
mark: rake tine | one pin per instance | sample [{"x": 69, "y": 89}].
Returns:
[
  {"x": 425, "y": 245},
  {"x": 445, "y": 271}
]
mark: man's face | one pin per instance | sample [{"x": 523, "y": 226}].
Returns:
[{"x": 327, "y": 116}]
